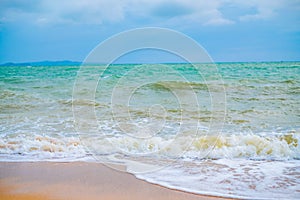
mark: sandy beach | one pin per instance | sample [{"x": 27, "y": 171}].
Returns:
[{"x": 78, "y": 180}]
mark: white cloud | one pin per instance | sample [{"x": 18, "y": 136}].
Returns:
[
  {"x": 219, "y": 21},
  {"x": 207, "y": 13},
  {"x": 265, "y": 9},
  {"x": 201, "y": 12},
  {"x": 88, "y": 12},
  {"x": 101, "y": 11},
  {"x": 56, "y": 11}
]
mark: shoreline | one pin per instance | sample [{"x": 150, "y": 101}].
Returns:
[{"x": 79, "y": 180}]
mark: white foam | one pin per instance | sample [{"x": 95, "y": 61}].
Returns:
[
  {"x": 237, "y": 178},
  {"x": 280, "y": 147},
  {"x": 250, "y": 146},
  {"x": 38, "y": 147}
]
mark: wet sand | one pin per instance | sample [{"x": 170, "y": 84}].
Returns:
[{"x": 79, "y": 180}]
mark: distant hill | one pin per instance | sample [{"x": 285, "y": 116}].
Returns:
[{"x": 44, "y": 63}]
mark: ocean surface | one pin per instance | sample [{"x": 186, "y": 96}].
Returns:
[{"x": 225, "y": 129}]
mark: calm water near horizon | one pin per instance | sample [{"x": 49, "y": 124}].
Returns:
[{"x": 237, "y": 136}]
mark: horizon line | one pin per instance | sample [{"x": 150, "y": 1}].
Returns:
[{"x": 71, "y": 62}]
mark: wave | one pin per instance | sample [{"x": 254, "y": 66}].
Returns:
[
  {"x": 169, "y": 85},
  {"x": 40, "y": 147},
  {"x": 249, "y": 146}
]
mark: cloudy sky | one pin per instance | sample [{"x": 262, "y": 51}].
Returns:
[{"x": 230, "y": 30}]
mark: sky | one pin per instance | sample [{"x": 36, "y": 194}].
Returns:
[{"x": 229, "y": 30}]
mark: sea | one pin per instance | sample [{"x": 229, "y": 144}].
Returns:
[{"x": 223, "y": 129}]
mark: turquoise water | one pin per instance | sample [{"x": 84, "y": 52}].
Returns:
[{"x": 231, "y": 132}]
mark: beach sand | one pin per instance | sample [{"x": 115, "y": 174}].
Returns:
[{"x": 78, "y": 180}]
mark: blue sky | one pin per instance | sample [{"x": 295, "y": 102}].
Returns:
[{"x": 230, "y": 30}]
